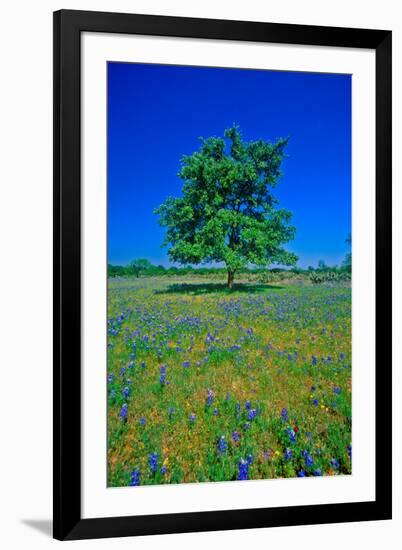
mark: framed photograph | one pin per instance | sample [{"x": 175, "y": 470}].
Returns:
[{"x": 222, "y": 274}]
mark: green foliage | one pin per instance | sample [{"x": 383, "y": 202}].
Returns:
[
  {"x": 329, "y": 276},
  {"x": 138, "y": 265},
  {"x": 227, "y": 212}
]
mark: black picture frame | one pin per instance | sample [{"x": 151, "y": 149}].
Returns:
[{"x": 68, "y": 522}]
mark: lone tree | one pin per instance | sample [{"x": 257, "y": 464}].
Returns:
[
  {"x": 227, "y": 212},
  {"x": 138, "y": 265}
]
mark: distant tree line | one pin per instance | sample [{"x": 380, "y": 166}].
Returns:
[{"x": 142, "y": 267}]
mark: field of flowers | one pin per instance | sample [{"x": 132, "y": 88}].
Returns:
[{"x": 206, "y": 384}]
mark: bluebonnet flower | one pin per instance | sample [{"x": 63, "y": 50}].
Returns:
[
  {"x": 243, "y": 470},
  {"x": 153, "y": 462},
  {"x": 123, "y": 412},
  {"x": 288, "y": 454},
  {"x": 337, "y": 390},
  {"x": 163, "y": 470},
  {"x": 131, "y": 365},
  {"x": 247, "y": 425},
  {"x": 171, "y": 412},
  {"x": 143, "y": 365},
  {"x": 235, "y": 436},
  {"x": 341, "y": 357},
  {"x": 284, "y": 414},
  {"x": 112, "y": 394},
  {"x": 162, "y": 378},
  {"x": 252, "y": 413},
  {"x": 250, "y": 459},
  {"x": 248, "y": 405},
  {"x": 315, "y": 402},
  {"x": 143, "y": 421},
  {"x": 192, "y": 418},
  {"x": 290, "y": 357},
  {"x": 135, "y": 478},
  {"x": 317, "y": 472},
  {"x": 222, "y": 444},
  {"x": 301, "y": 473},
  {"x": 210, "y": 397},
  {"x": 350, "y": 451},
  {"x": 122, "y": 371},
  {"x": 312, "y": 389},
  {"x": 308, "y": 459},
  {"x": 110, "y": 378},
  {"x": 334, "y": 463},
  {"x": 238, "y": 408},
  {"x": 227, "y": 398},
  {"x": 292, "y": 435},
  {"x": 126, "y": 392},
  {"x": 186, "y": 364},
  {"x": 314, "y": 360},
  {"x": 216, "y": 412}
]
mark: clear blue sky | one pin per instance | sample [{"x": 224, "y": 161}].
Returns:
[{"x": 157, "y": 112}]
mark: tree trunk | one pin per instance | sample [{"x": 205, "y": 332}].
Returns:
[{"x": 230, "y": 279}]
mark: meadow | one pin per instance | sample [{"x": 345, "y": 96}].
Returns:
[{"x": 210, "y": 384}]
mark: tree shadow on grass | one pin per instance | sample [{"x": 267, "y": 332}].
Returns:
[{"x": 217, "y": 288}]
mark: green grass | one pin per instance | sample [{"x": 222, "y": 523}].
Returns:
[{"x": 252, "y": 347}]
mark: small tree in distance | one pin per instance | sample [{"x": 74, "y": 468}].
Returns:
[
  {"x": 138, "y": 265},
  {"x": 227, "y": 212}
]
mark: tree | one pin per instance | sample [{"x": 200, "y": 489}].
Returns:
[
  {"x": 227, "y": 212},
  {"x": 347, "y": 262},
  {"x": 138, "y": 265}
]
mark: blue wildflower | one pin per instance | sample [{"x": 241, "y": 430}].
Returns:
[
  {"x": 315, "y": 402},
  {"x": 153, "y": 462},
  {"x": 248, "y": 405},
  {"x": 210, "y": 397},
  {"x": 222, "y": 444},
  {"x": 216, "y": 412},
  {"x": 337, "y": 390},
  {"x": 314, "y": 360},
  {"x": 192, "y": 417},
  {"x": 163, "y": 470},
  {"x": 284, "y": 414},
  {"x": 235, "y": 436},
  {"x": 247, "y": 426},
  {"x": 317, "y": 472},
  {"x": 171, "y": 412},
  {"x": 350, "y": 451},
  {"x": 126, "y": 392},
  {"x": 123, "y": 412},
  {"x": 292, "y": 435},
  {"x": 186, "y": 364},
  {"x": 110, "y": 378},
  {"x": 308, "y": 459},
  {"x": 135, "y": 478},
  {"x": 243, "y": 470},
  {"x": 252, "y": 413},
  {"x": 250, "y": 459},
  {"x": 301, "y": 473},
  {"x": 334, "y": 463},
  {"x": 143, "y": 421},
  {"x": 288, "y": 454}
]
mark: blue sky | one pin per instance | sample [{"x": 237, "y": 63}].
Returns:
[{"x": 157, "y": 112}]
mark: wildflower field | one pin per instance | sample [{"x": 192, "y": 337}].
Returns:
[{"x": 208, "y": 384}]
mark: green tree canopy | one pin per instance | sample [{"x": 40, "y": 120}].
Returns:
[
  {"x": 227, "y": 212},
  {"x": 138, "y": 265}
]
